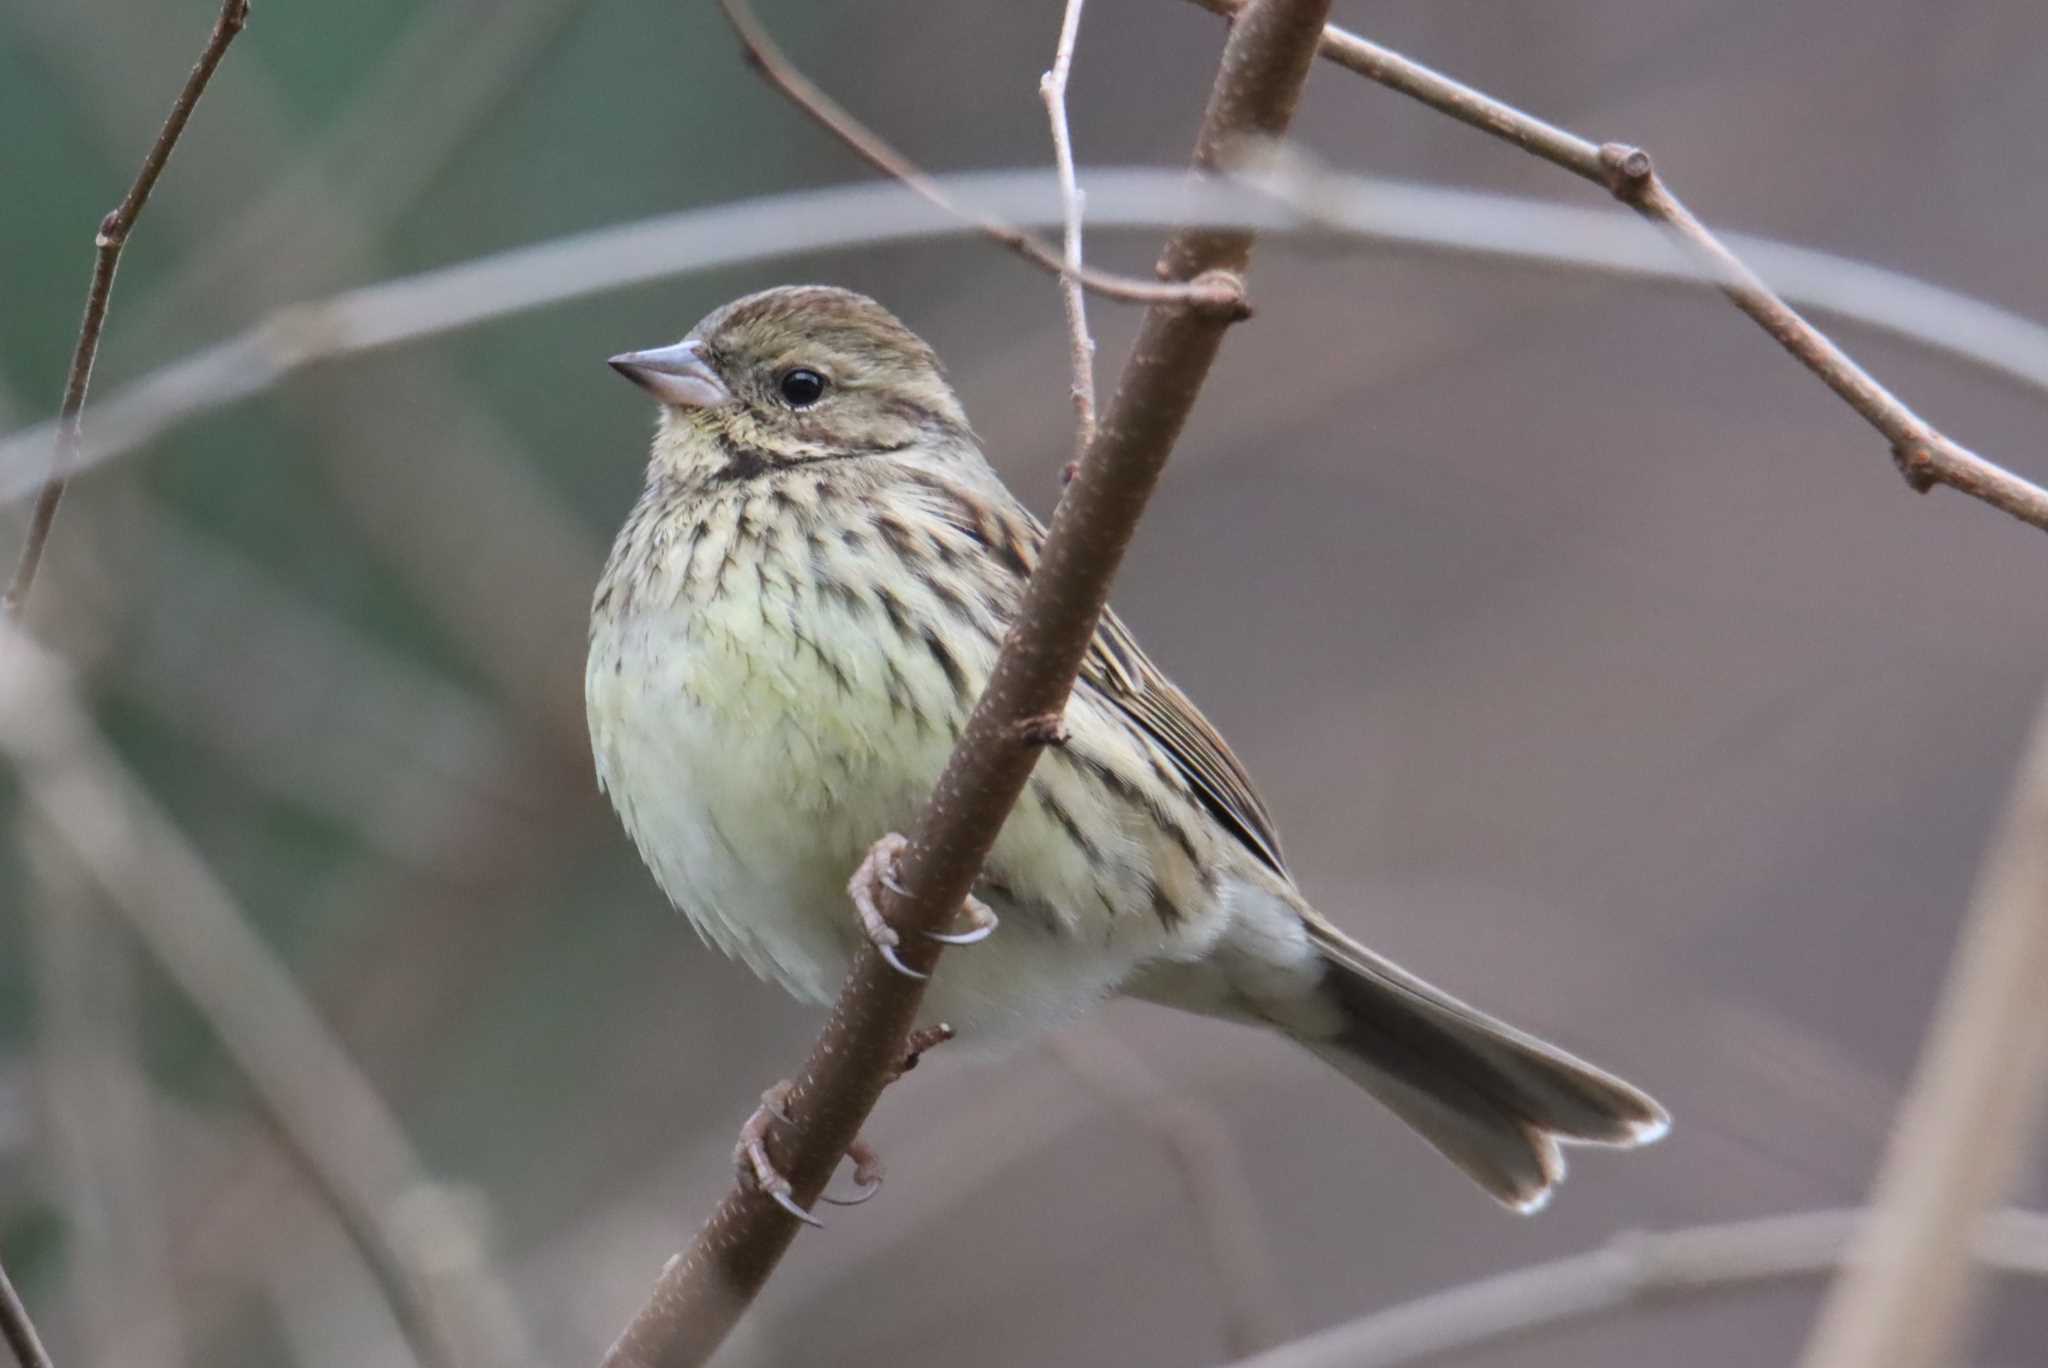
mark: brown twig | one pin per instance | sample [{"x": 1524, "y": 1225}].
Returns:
[
  {"x": 1052, "y": 89},
  {"x": 765, "y": 57},
  {"x": 111, "y": 238},
  {"x": 18, "y": 1330},
  {"x": 700, "y": 1295},
  {"x": 1968, "y": 1119},
  {"x": 1637, "y": 1268},
  {"x": 407, "y": 310},
  {"x": 1924, "y": 456}
]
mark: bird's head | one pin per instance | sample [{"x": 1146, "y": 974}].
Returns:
[{"x": 796, "y": 374}]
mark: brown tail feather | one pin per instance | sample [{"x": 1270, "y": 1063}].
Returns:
[{"x": 1493, "y": 1099}]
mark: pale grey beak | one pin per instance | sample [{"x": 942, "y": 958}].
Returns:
[{"x": 676, "y": 375}]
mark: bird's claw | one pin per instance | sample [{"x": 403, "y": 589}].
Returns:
[
  {"x": 755, "y": 1164},
  {"x": 878, "y": 870},
  {"x": 867, "y": 1174},
  {"x": 982, "y": 923},
  {"x": 758, "y": 1168}
]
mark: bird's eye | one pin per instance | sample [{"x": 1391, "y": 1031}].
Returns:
[{"x": 802, "y": 388}]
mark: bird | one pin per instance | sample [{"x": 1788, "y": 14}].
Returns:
[{"x": 795, "y": 620}]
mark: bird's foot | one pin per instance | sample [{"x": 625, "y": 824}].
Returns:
[
  {"x": 752, "y": 1157},
  {"x": 867, "y": 1165},
  {"x": 758, "y": 1168},
  {"x": 878, "y": 870}
]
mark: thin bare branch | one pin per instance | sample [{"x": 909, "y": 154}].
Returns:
[
  {"x": 700, "y": 1296},
  {"x": 1286, "y": 200},
  {"x": 18, "y": 1329},
  {"x": 422, "y": 1239},
  {"x": 1248, "y": 1285},
  {"x": 439, "y": 84},
  {"x": 1634, "y": 1269},
  {"x": 1052, "y": 88},
  {"x": 1969, "y": 1119},
  {"x": 415, "y": 308},
  {"x": 768, "y": 59},
  {"x": 111, "y": 238},
  {"x": 97, "y": 1118},
  {"x": 1924, "y": 455}
]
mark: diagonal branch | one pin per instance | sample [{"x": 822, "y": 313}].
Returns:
[
  {"x": 1924, "y": 455},
  {"x": 112, "y": 237},
  {"x": 1270, "y": 196},
  {"x": 768, "y": 59},
  {"x": 700, "y": 1296},
  {"x": 1969, "y": 1119},
  {"x": 17, "y": 1329},
  {"x": 421, "y": 1238}
]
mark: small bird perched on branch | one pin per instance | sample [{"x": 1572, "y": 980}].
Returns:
[{"x": 794, "y": 624}]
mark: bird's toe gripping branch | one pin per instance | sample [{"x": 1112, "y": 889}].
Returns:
[
  {"x": 878, "y": 871},
  {"x": 758, "y": 1168},
  {"x": 751, "y": 1155}
]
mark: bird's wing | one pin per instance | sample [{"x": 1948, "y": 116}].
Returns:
[{"x": 1116, "y": 669}]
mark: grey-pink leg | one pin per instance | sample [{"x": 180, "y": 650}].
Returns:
[
  {"x": 751, "y": 1154},
  {"x": 878, "y": 870}
]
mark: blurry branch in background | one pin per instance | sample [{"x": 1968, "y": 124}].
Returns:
[
  {"x": 1923, "y": 454},
  {"x": 17, "y": 1329},
  {"x": 108, "y": 242},
  {"x": 419, "y": 1237},
  {"x": 1970, "y": 1117},
  {"x": 1247, "y": 1281},
  {"x": 476, "y": 523},
  {"x": 1633, "y": 1270},
  {"x": 1906, "y": 1263},
  {"x": 698, "y": 1297},
  {"x": 97, "y": 1119},
  {"x": 768, "y": 59},
  {"x": 1052, "y": 89},
  {"x": 438, "y": 86},
  {"x": 1274, "y": 194}
]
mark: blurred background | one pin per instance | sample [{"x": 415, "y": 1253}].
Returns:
[{"x": 1592, "y": 658}]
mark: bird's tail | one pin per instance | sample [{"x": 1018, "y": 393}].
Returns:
[{"x": 1494, "y": 1100}]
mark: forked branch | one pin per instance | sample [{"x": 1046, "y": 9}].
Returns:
[
  {"x": 1923, "y": 454},
  {"x": 1216, "y": 295}
]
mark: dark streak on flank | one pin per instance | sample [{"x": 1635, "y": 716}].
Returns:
[
  {"x": 899, "y": 536},
  {"x": 1163, "y": 907},
  {"x": 943, "y": 655},
  {"x": 902, "y": 702},
  {"x": 1053, "y": 808},
  {"x": 950, "y": 599},
  {"x": 843, "y": 594},
  {"x": 831, "y": 666},
  {"x": 899, "y": 616},
  {"x": 1129, "y": 793}
]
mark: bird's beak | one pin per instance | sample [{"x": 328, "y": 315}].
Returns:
[{"x": 676, "y": 375}]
